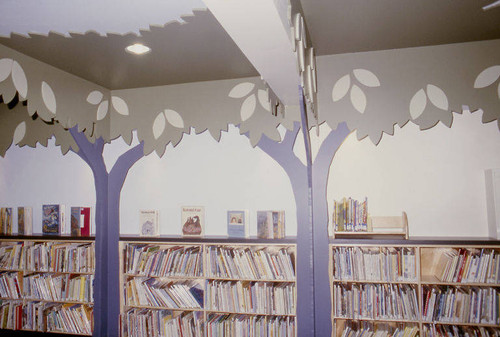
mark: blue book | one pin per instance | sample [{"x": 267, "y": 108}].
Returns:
[
  {"x": 237, "y": 224},
  {"x": 53, "y": 219}
]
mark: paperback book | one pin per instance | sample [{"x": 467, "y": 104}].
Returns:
[
  {"x": 24, "y": 220},
  {"x": 149, "y": 221},
  {"x": 193, "y": 220},
  {"x": 53, "y": 219},
  {"x": 6, "y": 220},
  {"x": 81, "y": 221},
  {"x": 271, "y": 224},
  {"x": 237, "y": 224}
]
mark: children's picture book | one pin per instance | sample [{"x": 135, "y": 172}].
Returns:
[
  {"x": 149, "y": 221},
  {"x": 25, "y": 220},
  {"x": 271, "y": 224},
  {"x": 81, "y": 221},
  {"x": 237, "y": 224},
  {"x": 6, "y": 220},
  {"x": 193, "y": 220},
  {"x": 53, "y": 219}
]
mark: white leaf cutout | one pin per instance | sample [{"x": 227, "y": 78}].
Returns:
[
  {"x": 95, "y": 97},
  {"x": 102, "y": 110},
  {"x": 159, "y": 125},
  {"x": 437, "y": 97},
  {"x": 263, "y": 99},
  {"x": 358, "y": 99},
  {"x": 487, "y": 77},
  {"x": 5, "y": 68},
  {"x": 19, "y": 133},
  {"x": 120, "y": 106},
  {"x": 366, "y": 77},
  {"x": 241, "y": 90},
  {"x": 19, "y": 79},
  {"x": 417, "y": 104},
  {"x": 341, "y": 87},
  {"x": 48, "y": 97},
  {"x": 174, "y": 118},
  {"x": 248, "y": 108}
]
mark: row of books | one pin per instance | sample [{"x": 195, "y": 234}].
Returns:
[
  {"x": 156, "y": 293},
  {"x": 461, "y": 305},
  {"x": 251, "y": 297},
  {"x": 10, "y": 285},
  {"x": 250, "y": 264},
  {"x": 250, "y": 326},
  {"x": 43, "y": 316},
  {"x": 364, "y": 264},
  {"x": 48, "y": 257},
  {"x": 382, "y": 330},
  {"x": 159, "y": 323},
  {"x": 458, "y": 331},
  {"x": 53, "y": 220},
  {"x": 376, "y": 301},
  {"x": 69, "y": 318},
  {"x": 50, "y": 287},
  {"x": 155, "y": 260},
  {"x": 470, "y": 266},
  {"x": 350, "y": 215}
]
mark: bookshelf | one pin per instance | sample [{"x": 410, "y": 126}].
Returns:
[
  {"x": 46, "y": 284},
  {"x": 207, "y": 287},
  {"x": 415, "y": 287}
]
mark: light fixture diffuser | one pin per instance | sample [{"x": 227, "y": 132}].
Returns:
[{"x": 138, "y": 49}]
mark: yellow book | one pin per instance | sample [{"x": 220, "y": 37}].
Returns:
[{"x": 82, "y": 288}]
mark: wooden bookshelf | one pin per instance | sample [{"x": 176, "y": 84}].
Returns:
[
  {"x": 455, "y": 286},
  {"x": 47, "y": 284},
  {"x": 230, "y": 273}
]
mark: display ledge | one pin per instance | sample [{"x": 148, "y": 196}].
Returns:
[
  {"x": 170, "y": 277},
  {"x": 133, "y": 306},
  {"x": 432, "y": 280},
  {"x": 40, "y": 237},
  {"x": 485, "y": 325},
  {"x": 359, "y": 319},
  {"x": 35, "y": 333},
  {"x": 206, "y": 239},
  {"x": 214, "y": 311},
  {"x": 232, "y": 279},
  {"x": 419, "y": 241},
  {"x": 31, "y": 272},
  {"x": 89, "y": 304},
  {"x": 376, "y": 282}
]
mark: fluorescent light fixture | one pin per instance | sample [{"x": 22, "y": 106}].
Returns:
[
  {"x": 138, "y": 49},
  {"x": 492, "y": 5}
]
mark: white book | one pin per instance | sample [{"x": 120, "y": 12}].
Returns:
[{"x": 149, "y": 222}]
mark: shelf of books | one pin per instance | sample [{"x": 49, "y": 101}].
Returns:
[
  {"x": 208, "y": 288},
  {"x": 46, "y": 284},
  {"x": 415, "y": 288}
]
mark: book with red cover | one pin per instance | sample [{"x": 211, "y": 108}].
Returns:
[{"x": 80, "y": 221}]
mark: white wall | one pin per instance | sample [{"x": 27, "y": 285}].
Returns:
[
  {"x": 436, "y": 176},
  {"x": 229, "y": 175},
  {"x": 34, "y": 177}
]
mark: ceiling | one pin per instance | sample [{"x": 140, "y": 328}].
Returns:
[
  {"x": 349, "y": 26},
  {"x": 196, "y": 47}
]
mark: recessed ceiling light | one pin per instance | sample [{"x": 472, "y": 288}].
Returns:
[{"x": 138, "y": 49}]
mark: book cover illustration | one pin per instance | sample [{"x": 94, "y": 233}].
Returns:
[
  {"x": 270, "y": 224},
  {"x": 237, "y": 224},
  {"x": 6, "y": 220},
  {"x": 80, "y": 221},
  {"x": 53, "y": 219},
  {"x": 193, "y": 220},
  {"x": 149, "y": 222},
  {"x": 25, "y": 220}
]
